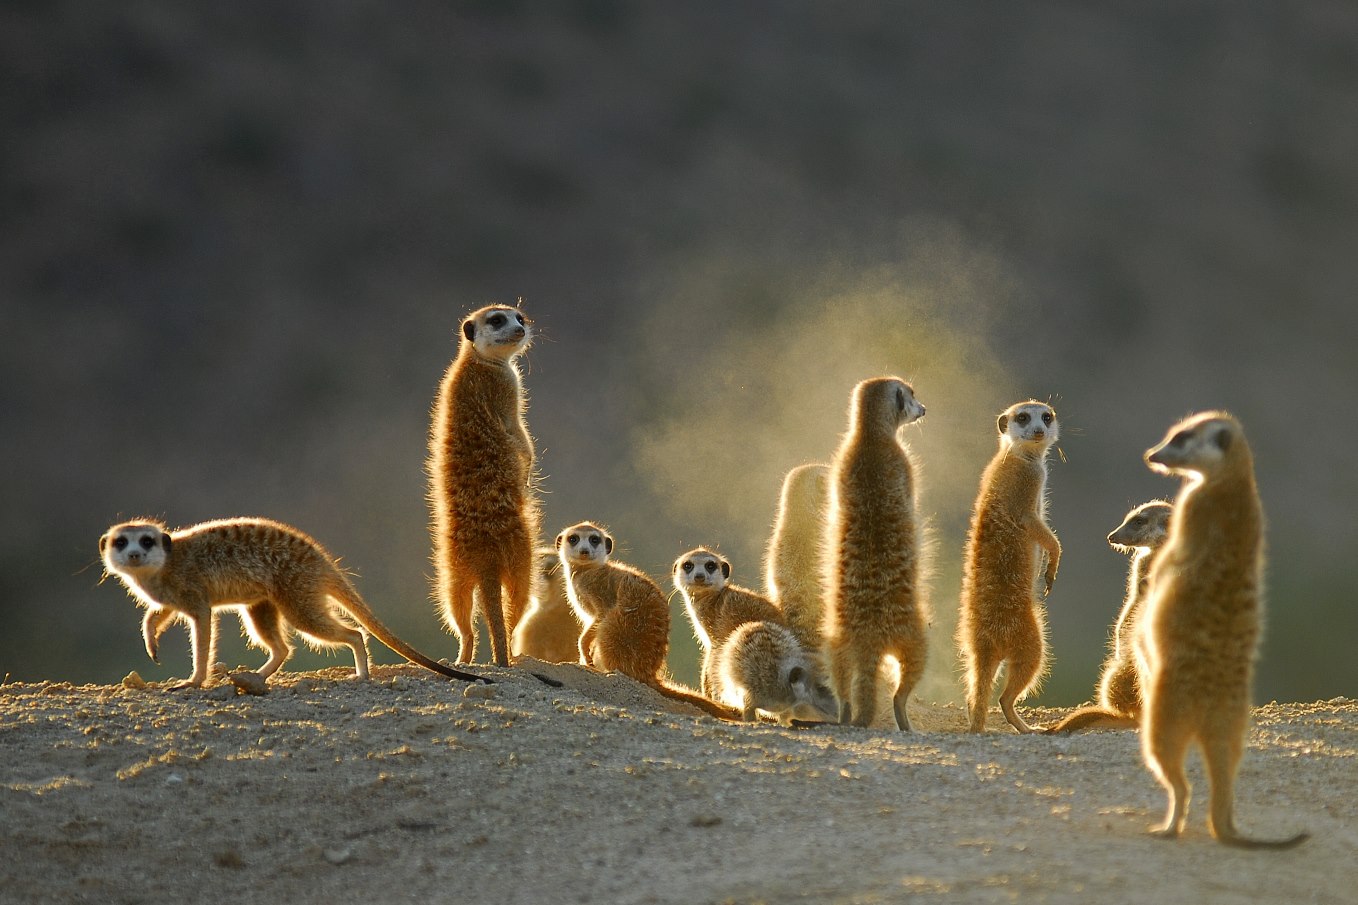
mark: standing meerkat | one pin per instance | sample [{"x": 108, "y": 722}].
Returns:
[
  {"x": 484, "y": 515},
  {"x": 274, "y": 574},
  {"x": 1200, "y": 629},
  {"x": 625, "y": 615},
  {"x": 1141, "y": 533},
  {"x": 874, "y": 606},
  {"x": 1001, "y": 618},
  {"x": 762, "y": 666},
  {"x": 716, "y": 606},
  {"x": 793, "y": 574},
  {"x": 549, "y": 631}
]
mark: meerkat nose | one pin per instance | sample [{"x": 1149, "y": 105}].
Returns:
[
  {"x": 1039, "y": 434},
  {"x": 922, "y": 410},
  {"x": 519, "y": 333}
]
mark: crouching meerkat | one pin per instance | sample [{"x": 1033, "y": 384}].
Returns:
[
  {"x": 484, "y": 515},
  {"x": 762, "y": 666},
  {"x": 793, "y": 574},
  {"x": 625, "y": 615},
  {"x": 1141, "y": 533},
  {"x": 874, "y": 605},
  {"x": 274, "y": 574},
  {"x": 1001, "y": 619},
  {"x": 549, "y": 631},
  {"x": 716, "y": 606},
  {"x": 1200, "y": 628}
]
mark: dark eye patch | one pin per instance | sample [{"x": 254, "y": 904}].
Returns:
[
  {"x": 1046, "y": 417},
  {"x": 573, "y": 540},
  {"x": 687, "y": 566},
  {"x": 710, "y": 566},
  {"x": 1022, "y": 418},
  {"x": 496, "y": 320},
  {"x": 120, "y": 543},
  {"x": 147, "y": 542},
  {"x": 594, "y": 540},
  {"x": 519, "y": 318}
]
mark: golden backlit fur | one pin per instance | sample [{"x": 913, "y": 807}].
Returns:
[
  {"x": 549, "y": 630},
  {"x": 716, "y": 606},
  {"x": 874, "y": 606},
  {"x": 762, "y": 666},
  {"x": 1001, "y": 620},
  {"x": 794, "y": 575},
  {"x": 484, "y": 513},
  {"x": 1202, "y": 620}
]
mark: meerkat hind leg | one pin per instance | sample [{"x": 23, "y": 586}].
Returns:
[
  {"x": 459, "y": 616},
  {"x": 1166, "y": 746},
  {"x": 268, "y": 630},
  {"x": 492, "y": 607},
  {"x": 318, "y": 621},
  {"x": 907, "y": 678},
  {"x": 1021, "y": 673}
]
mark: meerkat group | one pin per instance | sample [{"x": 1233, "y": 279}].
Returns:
[{"x": 845, "y": 577}]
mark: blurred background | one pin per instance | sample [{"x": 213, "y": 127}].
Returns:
[{"x": 237, "y": 240}]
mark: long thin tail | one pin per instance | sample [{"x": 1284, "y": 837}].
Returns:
[
  {"x": 1245, "y": 842},
  {"x": 1093, "y": 718},
  {"x": 707, "y": 705}
]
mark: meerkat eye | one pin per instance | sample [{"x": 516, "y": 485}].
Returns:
[
  {"x": 900, "y": 399},
  {"x": 710, "y": 566},
  {"x": 1046, "y": 417},
  {"x": 1138, "y": 521},
  {"x": 120, "y": 543},
  {"x": 1022, "y": 418},
  {"x": 1179, "y": 439},
  {"x": 496, "y": 320},
  {"x": 519, "y": 318},
  {"x": 687, "y": 566},
  {"x": 147, "y": 542},
  {"x": 572, "y": 540},
  {"x": 594, "y": 540}
]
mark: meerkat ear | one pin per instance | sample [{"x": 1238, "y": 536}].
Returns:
[
  {"x": 1223, "y": 439},
  {"x": 725, "y": 569},
  {"x": 608, "y": 544},
  {"x": 1003, "y": 423},
  {"x": 103, "y": 542},
  {"x": 795, "y": 675},
  {"x": 469, "y": 329},
  {"x": 165, "y": 542},
  {"x": 557, "y": 543}
]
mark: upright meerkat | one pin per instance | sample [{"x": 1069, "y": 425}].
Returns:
[
  {"x": 874, "y": 605},
  {"x": 1201, "y": 624},
  {"x": 1001, "y": 618},
  {"x": 550, "y": 630},
  {"x": 276, "y": 575},
  {"x": 1141, "y": 533},
  {"x": 794, "y": 576},
  {"x": 716, "y": 606},
  {"x": 625, "y": 615},
  {"x": 484, "y": 512},
  {"x": 762, "y": 666}
]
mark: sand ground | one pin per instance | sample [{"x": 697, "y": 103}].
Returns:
[{"x": 412, "y": 788}]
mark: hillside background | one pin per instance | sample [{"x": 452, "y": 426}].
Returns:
[{"x": 236, "y": 241}]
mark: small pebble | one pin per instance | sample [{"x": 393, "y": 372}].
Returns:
[
  {"x": 132, "y": 680},
  {"x": 479, "y": 692},
  {"x": 249, "y": 682}
]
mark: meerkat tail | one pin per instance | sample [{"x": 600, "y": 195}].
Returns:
[
  {"x": 719, "y": 711},
  {"x": 1092, "y": 718},
  {"x": 1237, "y": 841}
]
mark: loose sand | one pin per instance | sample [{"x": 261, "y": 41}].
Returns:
[{"x": 412, "y": 788}]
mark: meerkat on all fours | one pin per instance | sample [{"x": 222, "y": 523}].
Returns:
[
  {"x": 1200, "y": 628},
  {"x": 625, "y": 615},
  {"x": 794, "y": 575},
  {"x": 874, "y": 552},
  {"x": 550, "y": 630},
  {"x": 276, "y": 575},
  {"x": 1000, "y": 619},
  {"x": 762, "y": 666},
  {"x": 1141, "y": 533},
  {"x": 716, "y": 606},
  {"x": 484, "y": 514}
]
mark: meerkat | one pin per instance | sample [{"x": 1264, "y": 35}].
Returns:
[
  {"x": 274, "y": 574},
  {"x": 1141, "y": 533},
  {"x": 874, "y": 604},
  {"x": 716, "y": 606},
  {"x": 549, "y": 631},
  {"x": 484, "y": 513},
  {"x": 625, "y": 615},
  {"x": 1200, "y": 629},
  {"x": 762, "y": 666},
  {"x": 793, "y": 575},
  {"x": 1001, "y": 619}
]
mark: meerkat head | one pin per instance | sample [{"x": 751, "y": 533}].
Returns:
[
  {"x": 806, "y": 486},
  {"x": 583, "y": 545},
  {"x": 700, "y": 571},
  {"x": 1199, "y": 445},
  {"x": 884, "y": 401},
  {"x": 134, "y": 547},
  {"x": 497, "y": 332},
  {"x": 1145, "y": 526},
  {"x": 1030, "y": 426}
]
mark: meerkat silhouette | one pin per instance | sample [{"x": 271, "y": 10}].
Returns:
[
  {"x": 1000, "y": 619},
  {"x": 1141, "y": 533},
  {"x": 874, "y": 605},
  {"x": 625, "y": 615},
  {"x": 273, "y": 573},
  {"x": 716, "y": 606},
  {"x": 794, "y": 575},
  {"x": 1200, "y": 629},
  {"x": 550, "y": 630},
  {"x": 484, "y": 514},
  {"x": 762, "y": 666}
]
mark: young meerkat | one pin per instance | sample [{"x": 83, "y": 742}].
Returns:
[
  {"x": 874, "y": 605},
  {"x": 274, "y": 574},
  {"x": 550, "y": 630},
  {"x": 762, "y": 666},
  {"x": 1141, "y": 533},
  {"x": 1200, "y": 629},
  {"x": 793, "y": 574},
  {"x": 625, "y": 615},
  {"x": 1001, "y": 618},
  {"x": 716, "y": 606},
  {"x": 484, "y": 513}
]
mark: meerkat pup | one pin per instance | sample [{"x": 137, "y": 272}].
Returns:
[
  {"x": 794, "y": 576},
  {"x": 1141, "y": 533},
  {"x": 625, "y": 615},
  {"x": 762, "y": 666},
  {"x": 1200, "y": 629},
  {"x": 484, "y": 515},
  {"x": 549, "y": 631},
  {"x": 874, "y": 605},
  {"x": 274, "y": 574},
  {"x": 1001, "y": 619},
  {"x": 716, "y": 606}
]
